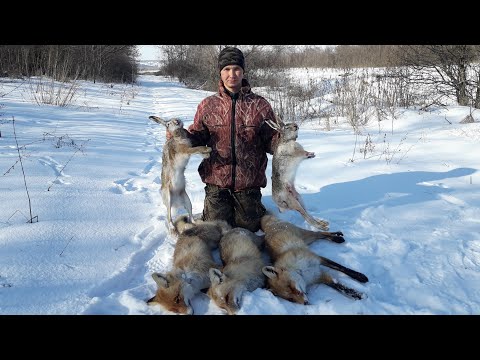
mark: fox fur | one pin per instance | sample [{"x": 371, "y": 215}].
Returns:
[
  {"x": 192, "y": 259},
  {"x": 296, "y": 266},
  {"x": 242, "y": 271}
]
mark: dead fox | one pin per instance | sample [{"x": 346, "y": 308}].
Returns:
[
  {"x": 242, "y": 271},
  {"x": 192, "y": 258},
  {"x": 296, "y": 266}
]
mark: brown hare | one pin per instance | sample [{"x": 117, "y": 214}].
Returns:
[
  {"x": 287, "y": 156},
  {"x": 176, "y": 153}
]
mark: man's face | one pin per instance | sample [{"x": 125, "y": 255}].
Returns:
[{"x": 232, "y": 76}]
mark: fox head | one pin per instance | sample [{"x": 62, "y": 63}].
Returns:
[
  {"x": 286, "y": 284},
  {"x": 173, "y": 293},
  {"x": 225, "y": 293}
]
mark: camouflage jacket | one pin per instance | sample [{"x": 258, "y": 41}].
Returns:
[{"x": 236, "y": 131}]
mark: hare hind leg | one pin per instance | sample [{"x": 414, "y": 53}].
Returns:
[
  {"x": 167, "y": 201},
  {"x": 187, "y": 204},
  {"x": 295, "y": 204}
]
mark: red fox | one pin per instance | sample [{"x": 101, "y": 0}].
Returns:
[
  {"x": 296, "y": 266},
  {"x": 242, "y": 259},
  {"x": 192, "y": 259}
]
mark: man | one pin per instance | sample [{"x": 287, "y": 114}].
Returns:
[{"x": 232, "y": 123}]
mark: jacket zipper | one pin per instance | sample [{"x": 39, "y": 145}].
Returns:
[{"x": 232, "y": 133}]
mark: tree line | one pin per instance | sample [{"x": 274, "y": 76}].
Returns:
[
  {"x": 449, "y": 70},
  {"x": 107, "y": 63}
]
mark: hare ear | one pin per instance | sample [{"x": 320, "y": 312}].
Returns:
[
  {"x": 272, "y": 124},
  {"x": 279, "y": 121},
  {"x": 178, "y": 121},
  {"x": 158, "y": 120}
]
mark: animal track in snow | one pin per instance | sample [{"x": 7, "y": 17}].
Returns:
[
  {"x": 125, "y": 186},
  {"x": 57, "y": 169},
  {"x": 52, "y": 163}
]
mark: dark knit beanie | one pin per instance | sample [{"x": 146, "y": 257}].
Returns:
[{"x": 230, "y": 56}]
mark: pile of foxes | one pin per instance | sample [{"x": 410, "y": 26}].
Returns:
[{"x": 292, "y": 266}]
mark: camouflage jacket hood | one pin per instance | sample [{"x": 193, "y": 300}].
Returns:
[{"x": 238, "y": 159}]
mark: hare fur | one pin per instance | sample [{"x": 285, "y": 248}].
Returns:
[
  {"x": 287, "y": 156},
  {"x": 176, "y": 153}
]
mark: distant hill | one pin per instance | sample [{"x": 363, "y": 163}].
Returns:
[{"x": 145, "y": 65}]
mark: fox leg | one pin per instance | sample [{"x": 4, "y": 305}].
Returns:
[
  {"x": 352, "y": 293},
  {"x": 326, "y": 279},
  {"x": 310, "y": 236}
]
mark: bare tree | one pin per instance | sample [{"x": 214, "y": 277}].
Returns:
[
  {"x": 452, "y": 70},
  {"x": 64, "y": 62},
  {"x": 196, "y": 65}
]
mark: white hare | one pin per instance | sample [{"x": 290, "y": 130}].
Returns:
[
  {"x": 176, "y": 153},
  {"x": 287, "y": 156}
]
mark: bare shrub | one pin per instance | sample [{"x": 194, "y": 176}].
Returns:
[
  {"x": 451, "y": 70},
  {"x": 196, "y": 65},
  {"x": 352, "y": 97},
  {"x": 467, "y": 119},
  {"x": 299, "y": 102},
  {"x": 381, "y": 147},
  {"x": 50, "y": 92}
]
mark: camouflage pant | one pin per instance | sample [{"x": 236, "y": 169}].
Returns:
[{"x": 242, "y": 208}]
